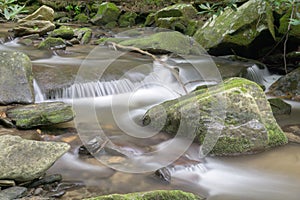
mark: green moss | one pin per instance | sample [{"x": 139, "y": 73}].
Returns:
[
  {"x": 107, "y": 12},
  {"x": 127, "y": 19},
  {"x": 63, "y": 32},
  {"x": 81, "y": 17},
  {"x": 51, "y": 42},
  {"x": 152, "y": 195},
  {"x": 284, "y": 23}
]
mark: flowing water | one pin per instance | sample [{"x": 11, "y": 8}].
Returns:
[{"x": 111, "y": 101}]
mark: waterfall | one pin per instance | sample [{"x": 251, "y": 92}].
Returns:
[
  {"x": 93, "y": 89},
  {"x": 39, "y": 97},
  {"x": 257, "y": 74}
]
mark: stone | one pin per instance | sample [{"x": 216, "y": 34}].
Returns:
[
  {"x": 52, "y": 43},
  {"x": 280, "y": 107},
  {"x": 237, "y": 109},
  {"x": 157, "y": 195},
  {"x": 127, "y": 19},
  {"x": 177, "y": 10},
  {"x": 30, "y": 116},
  {"x": 84, "y": 35},
  {"x": 163, "y": 42},
  {"x": 284, "y": 23},
  {"x": 25, "y": 160},
  {"x": 82, "y": 18},
  {"x": 107, "y": 12},
  {"x": 292, "y": 132},
  {"x": 237, "y": 29},
  {"x": 63, "y": 32},
  {"x": 39, "y": 22},
  {"x": 287, "y": 87},
  {"x": 12, "y": 193},
  {"x": 44, "y": 13},
  {"x": 16, "y": 78}
]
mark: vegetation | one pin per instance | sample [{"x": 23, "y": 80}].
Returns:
[{"x": 9, "y": 9}]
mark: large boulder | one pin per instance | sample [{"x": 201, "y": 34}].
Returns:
[
  {"x": 238, "y": 110},
  {"x": 163, "y": 42},
  {"x": 288, "y": 86},
  {"x": 24, "y": 160},
  {"x": 157, "y": 195},
  {"x": 16, "y": 79},
  {"x": 284, "y": 24},
  {"x": 237, "y": 30},
  {"x": 29, "y": 116},
  {"x": 107, "y": 13},
  {"x": 39, "y": 22}
]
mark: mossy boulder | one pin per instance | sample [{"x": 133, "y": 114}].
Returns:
[
  {"x": 16, "y": 78},
  {"x": 238, "y": 110},
  {"x": 82, "y": 18},
  {"x": 280, "y": 107},
  {"x": 127, "y": 19},
  {"x": 284, "y": 23},
  {"x": 30, "y": 116},
  {"x": 84, "y": 35},
  {"x": 52, "y": 43},
  {"x": 162, "y": 42},
  {"x": 39, "y": 22},
  {"x": 107, "y": 12},
  {"x": 157, "y": 195},
  {"x": 238, "y": 29},
  {"x": 287, "y": 87},
  {"x": 64, "y": 32},
  {"x": 177, "y": 17}
]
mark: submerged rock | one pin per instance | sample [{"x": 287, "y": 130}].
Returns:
[
  {"x": 238, "y": 110},
  {"x": 287, "y": 87},
  {"x": 237, "y": 29},
  {"x": 26, "y": 117},
  {"x": 280, "y": 107},
  {"x": 107, "y": 13},
  {"x": 39, "y": 22},
  {"x": 163, "y": 42},
  {"x": 24, "y": 160},
  {"x": 16, "y": 78},
  {"x": 157, "y": 195}
]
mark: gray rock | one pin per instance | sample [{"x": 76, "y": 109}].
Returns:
[
  {"x": 280, "y": 107},
  {"x": 237, "y": 28},
  {"x": 26, "y": 117},
  {"x": 16, "y": 79},
  {"x": 24, "y": 160},
  {"x": 287, "y": 87},
  {"x": 12, "y": 193},
  {"x": 39, "y": 22},
  {"x": 238, "y": 109}
]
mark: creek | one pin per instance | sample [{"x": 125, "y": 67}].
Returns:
[{"x": 111, "y": 101}]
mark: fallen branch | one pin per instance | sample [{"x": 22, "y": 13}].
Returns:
[{"x": 155, "y": 58}]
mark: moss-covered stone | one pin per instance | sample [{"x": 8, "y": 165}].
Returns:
[
  {"x": 26, "y": 117},
  {"x": 237, "y": 28},
  {"x": 84, "y": 35},
  {"x": 51, "y": 42},
  {"x": 157, "y": 195},
  {"x": 127, "y": 19},
  {"x": 177, "y": 10},
  {"x": 16, "y": 78},
  {"x": 64, "y": 32},
  {"x": 82, "y": 18},
  {"x": 162, "y": 42},
  {"x": 107, "y": 12},
  {"x": 284, "y": 23},
  {"x": 287, "y": 87},
  {"x": 238, "y": 109}
]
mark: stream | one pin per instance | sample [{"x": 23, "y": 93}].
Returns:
[{"x": 111, "y": 100}]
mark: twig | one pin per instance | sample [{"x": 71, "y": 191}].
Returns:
[{"x": 173, "y": 71}]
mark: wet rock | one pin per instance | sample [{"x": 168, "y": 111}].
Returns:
[
  {"x": 107, "y": 12},
  {"x": 164, "y": 174},
  {"x": 39, "y": 22},
  {"x": 26, "y": 117},
  {"x": 176, "y": 17},
  {"x": 24, "y": 160},
  {"x": 287, "y": 87},
  {"x": 46, "y": 180},
  {"x": 63, "y": 32},
  {"x": 237, "y": 30},
  {"x": 163, "y": 42},
  {"x": 12, "y": 193},
  {"x": 84, "y": 35},
  {"x": 238, "y": 110},
  {"x": 52, "y": 43},
  {"x": 16, "y": 79},
  {"x": 158, "y": 195},
  {"x": 127, "y": 19},
  {"x": 82, "y": 18},
  {"x": 292, "y": 132},
  {"x": 280, "y": 107}
]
